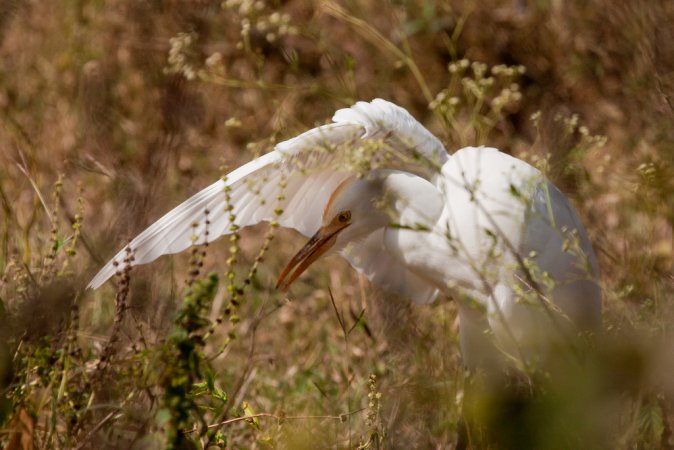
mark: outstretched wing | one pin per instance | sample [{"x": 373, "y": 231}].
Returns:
[{"x": 292, "y": 183}]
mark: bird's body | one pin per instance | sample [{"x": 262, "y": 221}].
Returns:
[{"x": 479, "y": 226}]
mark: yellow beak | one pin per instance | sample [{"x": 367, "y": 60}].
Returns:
[{"x": 319, "y": 243}]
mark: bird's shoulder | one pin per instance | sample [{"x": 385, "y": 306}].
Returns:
[
  {"x": 488, "y": 170},
  {"x": 386, "y": 120}
]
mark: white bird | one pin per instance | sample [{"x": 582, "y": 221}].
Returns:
[{"x": 375, "y": 186}]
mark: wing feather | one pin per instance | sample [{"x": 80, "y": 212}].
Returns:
[{"x": 307, "y": 165}]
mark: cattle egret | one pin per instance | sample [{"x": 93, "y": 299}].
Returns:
[{"x": 376, "y": 187}]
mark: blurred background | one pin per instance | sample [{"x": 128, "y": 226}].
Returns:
[{"x": 112, "y": 112}]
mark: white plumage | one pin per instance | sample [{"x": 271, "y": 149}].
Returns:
[{"x": 480, "y": 226}]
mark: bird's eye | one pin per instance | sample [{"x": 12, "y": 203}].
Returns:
[{"x": 344, "y": 216}]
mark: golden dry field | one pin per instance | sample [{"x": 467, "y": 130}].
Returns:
[{"x": 112, "y": 112}]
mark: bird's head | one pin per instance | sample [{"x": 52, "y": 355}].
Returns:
[{"x": 352, "y": 212}]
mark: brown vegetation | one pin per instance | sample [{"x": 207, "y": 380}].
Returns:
[{"x": 112, "y": 112}]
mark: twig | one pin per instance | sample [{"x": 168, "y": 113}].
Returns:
[
  {"x": 95, "y": 429},
  {"x": 242, "y": 379},
  {"x": 120, "y": 309},
  {"x": 357, "y": 319},
  {"x": 23, "y": 167},
  {"x": 279, "y": 417},
  {"x": 347, "y": 352},
  {"x": 375, "y": 37},
  {"x": 83, "y": 239},
  {"x": 340, "y": 319}
]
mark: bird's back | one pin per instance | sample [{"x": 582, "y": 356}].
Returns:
[{"x": 529, "y": 254}]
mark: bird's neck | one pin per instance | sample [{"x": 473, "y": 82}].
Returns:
[{"x": 419, "y": 237}]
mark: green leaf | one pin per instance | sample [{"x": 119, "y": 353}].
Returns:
[
  {"x": 220, "y": 439},
  {"x": 219, "y": 394},
  {"x": 210, "y": 378},
  {"x": 248, "y": 411}
]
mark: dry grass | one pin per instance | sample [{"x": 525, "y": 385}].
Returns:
[{"x": 134, "y": 104}]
